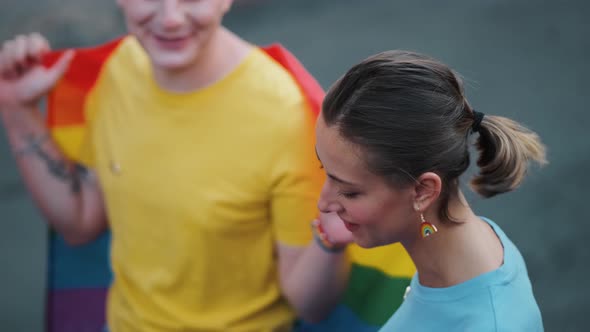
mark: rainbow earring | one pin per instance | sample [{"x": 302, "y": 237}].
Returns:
[{"x": 426, "y": 228}]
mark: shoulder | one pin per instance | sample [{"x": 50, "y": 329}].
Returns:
[
  {"x": 125, "y": 69},
  {"x": 273, "y": 96},
  {"x": 128, "y": 61},
  {"x": 469, "y": 314},
  {"x": 515, "y": 307},
  {"x": 514, "y": 264},
  {"x": 270, "y": 80}
]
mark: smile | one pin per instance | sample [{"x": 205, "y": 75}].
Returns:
[
  {"x": 170, "y": 38},
  {"x": 171, "y": 42},
  {"x": 351, "y": 227}
]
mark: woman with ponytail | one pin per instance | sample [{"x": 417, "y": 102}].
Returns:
[{"x": 393, "y": 138}]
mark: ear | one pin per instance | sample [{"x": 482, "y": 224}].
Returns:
[{"x": 426, "y": 191}]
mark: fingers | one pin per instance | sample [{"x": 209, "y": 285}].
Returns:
[
  {"x": 21, "y": 53},
  {"x": 18, "y": 53},
  {"x": 7, "y": 68},
  {"x": 11, "y": 51},
  {"x": 60, "y": 67},
  {"x": 37, "y": 47},
  {"x": 319, "y": 230}
]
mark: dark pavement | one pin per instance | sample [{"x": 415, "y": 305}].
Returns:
[{"x": 522, "y": 59}]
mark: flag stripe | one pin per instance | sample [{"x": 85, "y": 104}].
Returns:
[
  {"x": 66, "y": 102},
  {"x": 373, "y": 295},
  {"x": 390, "y": 259},
  {"x": 85, "y": 266},
  {"x": 310, "y": 88},
  {"x": 76, "y": 310},
  {"x": 342, "y": 319}
]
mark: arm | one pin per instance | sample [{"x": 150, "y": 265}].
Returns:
[
  {"x": 313, "y": 278},
  {"x": 66, "y": 192}
]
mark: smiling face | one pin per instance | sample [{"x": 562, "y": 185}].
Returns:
[
  {"x": 375, "y": 212},
  {"x": 174, "y": 33}
]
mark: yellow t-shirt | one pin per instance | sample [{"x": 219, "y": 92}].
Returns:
[{"x": 199, "y": 188}]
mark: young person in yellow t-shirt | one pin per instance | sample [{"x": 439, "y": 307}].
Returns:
[{"x": 199, "y": 154}]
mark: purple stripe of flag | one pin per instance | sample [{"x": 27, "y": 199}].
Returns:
[{"x": 76, "y": 310}]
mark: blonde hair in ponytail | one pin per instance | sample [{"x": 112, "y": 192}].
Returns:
[{"x": 506, "y": 148}]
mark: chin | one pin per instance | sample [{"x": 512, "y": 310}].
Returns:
[
  {"x": 368, "y": 243},
  {"x": 365, "y": 243},
  {"x": 173, "y": 58}
]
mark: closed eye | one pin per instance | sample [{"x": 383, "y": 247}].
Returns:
[{"x": 349, "y": 195}]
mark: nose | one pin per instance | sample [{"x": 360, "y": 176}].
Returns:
[
  {"x": 327, "y": 202},
  {"x": 172, "y": 14}
]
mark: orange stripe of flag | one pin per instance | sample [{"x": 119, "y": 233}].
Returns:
[{"x": 65, "y": 104}]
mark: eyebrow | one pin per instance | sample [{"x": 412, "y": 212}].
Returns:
[{"x": 331, "y": 176}]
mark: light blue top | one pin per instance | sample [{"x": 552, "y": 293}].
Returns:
[{"x": 500, "y": 300}]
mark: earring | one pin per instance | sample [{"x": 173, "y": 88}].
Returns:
[{"x": 426, "y": 228}]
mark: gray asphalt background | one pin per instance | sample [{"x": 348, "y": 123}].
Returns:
[{"x": 522, "y": 59}]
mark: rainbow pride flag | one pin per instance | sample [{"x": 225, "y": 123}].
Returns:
[{"x": 78, "y": 277}]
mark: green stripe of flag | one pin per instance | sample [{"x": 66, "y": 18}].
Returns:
[{"x": 373, "y": 295}]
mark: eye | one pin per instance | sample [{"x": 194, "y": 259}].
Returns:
[{"x": 348, "y": 195}]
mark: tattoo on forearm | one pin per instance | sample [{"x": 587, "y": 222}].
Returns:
[
  {"x": 79, "y": 174},
  {"x": 73, "y": 174}
]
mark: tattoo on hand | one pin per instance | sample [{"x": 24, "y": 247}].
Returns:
[{"x": 73, "y": 174}]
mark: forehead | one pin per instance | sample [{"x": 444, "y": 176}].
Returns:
[{"x": 338, "y": 155}]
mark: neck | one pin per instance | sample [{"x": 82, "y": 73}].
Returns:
[
  {"x": 459, "y": 251},
  {"x": 219, "y": 57}
]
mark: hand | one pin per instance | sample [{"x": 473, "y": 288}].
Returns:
[
  {"x": 334, "y": 229},
  {"x": 23, "y": 78}
]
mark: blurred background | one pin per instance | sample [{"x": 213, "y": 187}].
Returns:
[{"x": 525, "y": 59}]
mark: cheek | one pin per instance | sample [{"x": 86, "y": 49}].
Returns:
[
  {"x": 204, "y": 13},
  {"x": 364, "y": 212},
  {"x": 381, "y": 213},
  {"x": 139, "y": 11}
]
